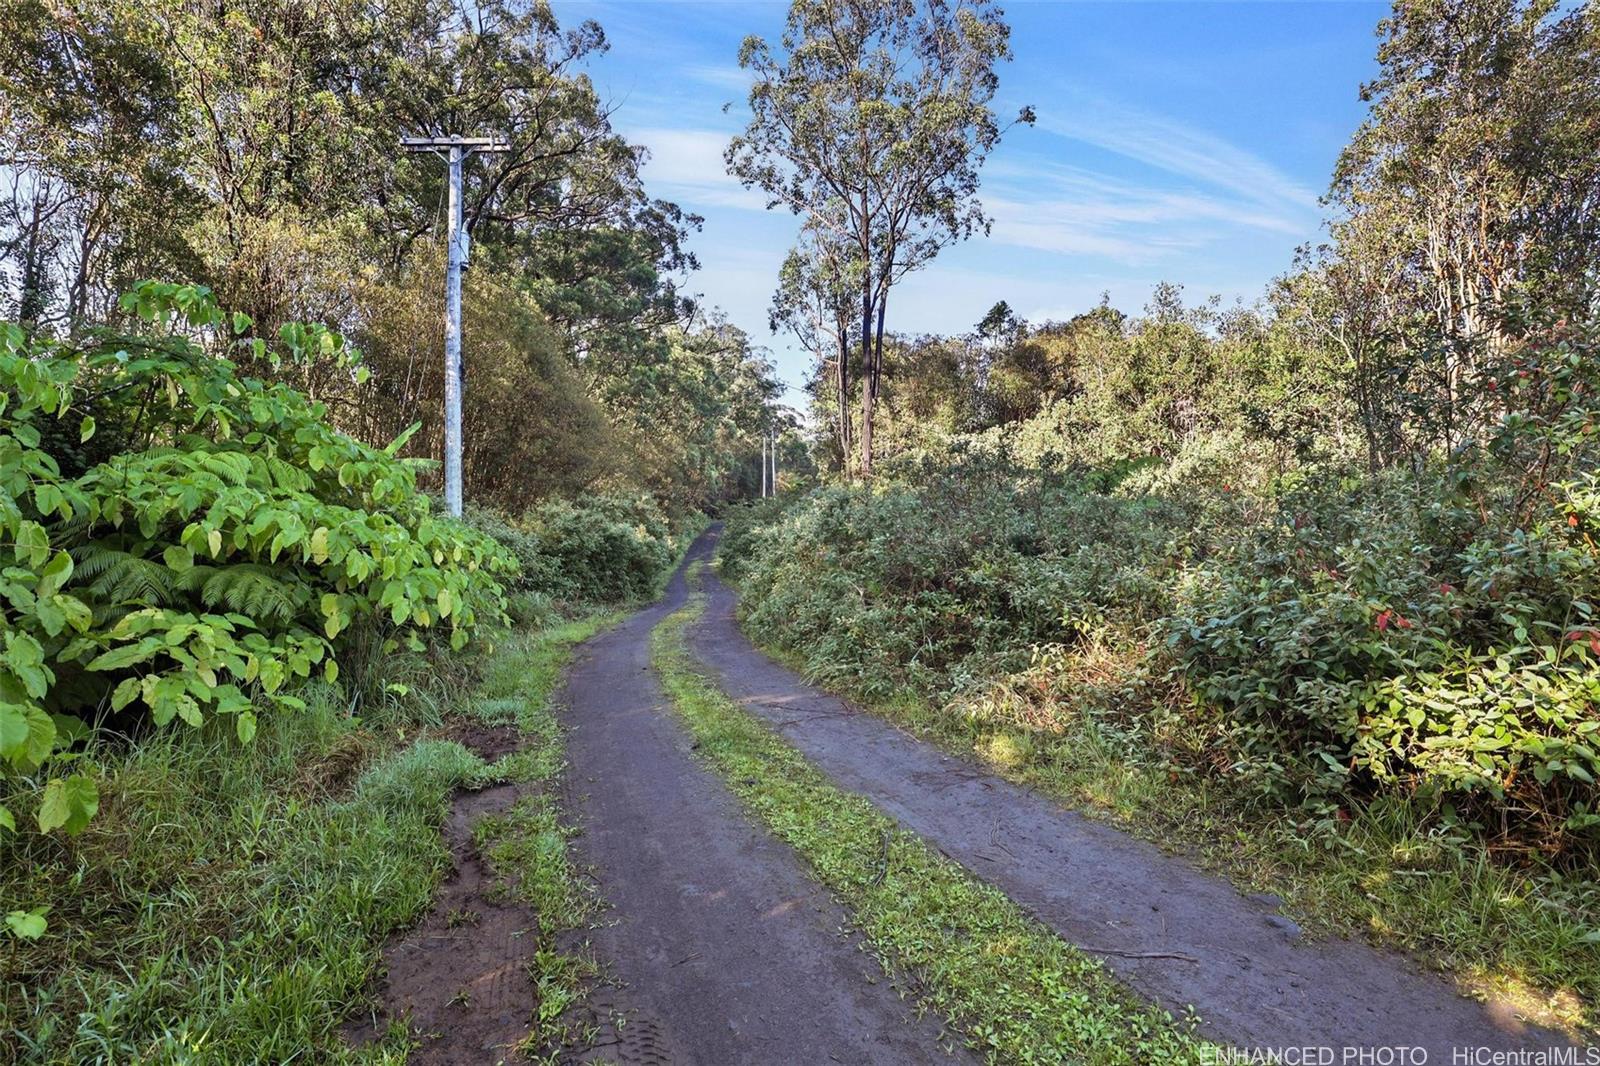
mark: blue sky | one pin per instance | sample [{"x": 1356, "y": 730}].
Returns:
[{"x": 1176, "y": 141}]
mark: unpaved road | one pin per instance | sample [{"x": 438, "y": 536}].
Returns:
[
  {"x": 726, "y": 950},
  {"x": 1252, "y": 981}
]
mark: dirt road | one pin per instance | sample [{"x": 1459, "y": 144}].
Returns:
[
  {"x": 1244, "y": 967},
  {"x": 727, "y": 951},
  {"x": 723, "y": 950}
]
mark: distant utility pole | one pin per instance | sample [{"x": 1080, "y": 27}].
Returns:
[
  {"x": 774, "y": 464},
  {"x": 763, "y": 465},
  {"x": 454, "y": 149}
]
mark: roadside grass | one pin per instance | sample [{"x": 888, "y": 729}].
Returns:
[
  {"x": 220, "y": 908},
  {"x": 229, "y": 902},
  {"x": 1519, "y": 932},
  {"x": 1014, "y": 990}
]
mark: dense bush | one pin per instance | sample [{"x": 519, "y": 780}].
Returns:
[
  {"x": 1387, "y": 634},
  {"x": 606, "y": 548},
  {"x": 953, "y": 578},
  {"x": 1331, "y": 639},
  {"x": 199, "y": 545}
]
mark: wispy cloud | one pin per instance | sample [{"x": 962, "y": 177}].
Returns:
[
  {"x": 732, "y": 78},
  {"x": 1190, "y": 190},
  {"x": 1176, "y": 149},
  {"x": 1070, "y": 211}
]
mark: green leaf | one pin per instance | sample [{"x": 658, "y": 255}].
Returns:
[
  {"x": 26, "y": 659},
  {"x": 319, "y": 544},
  {"x": 123, "y": 657},
  {"x": 178, "y": 558},
  {"x": 33, "y": 543},
  {"x": 77, "y": 613},
  {"x": 41, "y": 739},
  {"x": 29, "y": 925},
  {"x": 47, "y": 498},
  {"x": 56, "y": 574},
  {"x": 85, "y": 428},
  {"x": 51, "y": 617},
  {"x": 125, "y": 693},
  {"x": 13, "y": 728},
  {"x": 7, "y": 820},
  {"x": 68, "y": 804},
  {"x": 245, "y": 726}
]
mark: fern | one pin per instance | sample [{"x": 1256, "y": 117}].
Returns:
[
  {"x": 116, "y": 576},
  {"x": 265, "y": 593}
]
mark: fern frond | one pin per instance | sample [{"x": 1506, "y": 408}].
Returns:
[
  {"x": 118, "y": 576},
  {"x": 264, "y": 593}
]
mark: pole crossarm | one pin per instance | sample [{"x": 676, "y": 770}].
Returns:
[{"x": 475, "y": 144}]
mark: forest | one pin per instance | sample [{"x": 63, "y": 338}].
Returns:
[{"x": 1278, "y": 618}]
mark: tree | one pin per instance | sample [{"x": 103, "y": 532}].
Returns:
[
  {"x": 1471, "y": 186},
  {"x": 871, "y": 124},
  {"x": 251, "y": 145},
  {"x": 1473, "y": 181},
  {"x": 813, "y": 303},
  {"x": 96, "y": 191},
  {"x": 1335, "y": 306}
]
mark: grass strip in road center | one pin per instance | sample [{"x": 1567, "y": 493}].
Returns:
[{"x": 1015, "y": 990}]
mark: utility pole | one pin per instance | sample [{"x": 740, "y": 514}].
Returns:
[
  {"x": 774, "y": 464},
  {"x": 454, "y": 150},
  {"x": 763, "y": 464}
]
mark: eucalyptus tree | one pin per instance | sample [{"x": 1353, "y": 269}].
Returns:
[
  {"x": 1475, "y": 173},
  {"x": 813, "y": 302},
  {"x": 1472, "y": 185},
  {"x": 870, "y": 121}
]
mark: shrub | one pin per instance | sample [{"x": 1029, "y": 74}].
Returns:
[
  {"x": 953, "y": 579},
  {"x": 1336, "y": 638},
  {"x": 606, "y": 549},
  {"x": 1391, "y": 636},
  {"x": 217, "y": 546}
]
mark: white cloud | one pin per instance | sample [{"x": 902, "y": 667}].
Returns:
[
  {"x": 734, "y": 79},
  {"x": 1177, "y": 149},
  {"x": 686, "y": 165},
  {"x": 1200, "y": 192}
]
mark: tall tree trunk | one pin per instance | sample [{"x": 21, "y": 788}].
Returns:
[
  {"x": 31, "y": 299},
  {"x": 842, "y": 395},
  {"x": 869, "y": 376},
  {"x": 866, "y": 426}
]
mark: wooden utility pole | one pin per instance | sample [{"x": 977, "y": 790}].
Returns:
[{"x": 454, "y": 150}]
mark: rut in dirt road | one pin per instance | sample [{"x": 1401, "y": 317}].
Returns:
[
  {"x": 461, "y": 986},
  {"x": 1231, "y": 957},
  {"x": 726, "y": 950}
]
